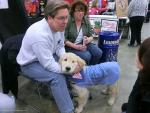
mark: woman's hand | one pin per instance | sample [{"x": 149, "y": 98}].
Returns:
[
  {"x": 87, "y": 40},
  {"x": 80, "y": 47}
]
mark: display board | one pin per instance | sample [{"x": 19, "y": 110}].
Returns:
[
  {"x": 121, "y": 8},
  {"x": 103, "y": 22}
]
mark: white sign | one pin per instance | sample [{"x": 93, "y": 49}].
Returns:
[
  {"x": 109, "y": 25},
  {"x": 3, "y": 4}
]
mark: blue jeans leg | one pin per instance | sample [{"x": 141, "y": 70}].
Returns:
[
  {"x": 96, "y": 53},
  {"x": 55, "y": 81},
  {"x": 85, "y": 55}
]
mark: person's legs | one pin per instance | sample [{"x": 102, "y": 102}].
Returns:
[
  {"x": 138, "y": 29},
  {"x": 85, "y": 55},
  {"x": 56, "y": 82},
  {"x": 133, "y": 31},
  {"x": 147, "y": 17},
  {"x": 96, "y": 53}
]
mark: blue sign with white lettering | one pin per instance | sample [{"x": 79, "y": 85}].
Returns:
[{"x": 109, "y": 43}]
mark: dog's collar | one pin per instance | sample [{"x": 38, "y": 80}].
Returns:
[{"x": 77, "y": 76}]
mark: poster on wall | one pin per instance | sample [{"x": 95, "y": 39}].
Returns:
[{"x": 121, "y": 8}]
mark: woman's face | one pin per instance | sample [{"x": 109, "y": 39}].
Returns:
[{"x": 79, "y": 13}]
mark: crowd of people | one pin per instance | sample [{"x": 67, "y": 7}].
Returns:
[{"x": 66, "y": 28}]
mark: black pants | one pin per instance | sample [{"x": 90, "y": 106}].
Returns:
[
  {"x": 147, "y": 17},
  {"x": 136, "y": 24}
]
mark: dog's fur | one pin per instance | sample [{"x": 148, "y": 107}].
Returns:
[{"x": 68, "y": 62}]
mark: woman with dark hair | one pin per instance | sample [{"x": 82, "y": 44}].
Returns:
[
  {"x": 78, "y": 34},
  {"x": 139, "y": 99}
]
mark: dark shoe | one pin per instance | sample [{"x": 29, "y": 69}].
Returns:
[
  {"x": 131, "y": 45},
  {"x": 138, "y": 44},
  {"x": 124, "y": 107}
]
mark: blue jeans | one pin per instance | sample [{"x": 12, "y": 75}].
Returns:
[
  {"x": 92, "y": 55},
  {"x": 56, "y": 82}
]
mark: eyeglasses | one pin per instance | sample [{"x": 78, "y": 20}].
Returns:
[
  {"x": 79, "y": 10},
  {"x": 61, "y": 18}
]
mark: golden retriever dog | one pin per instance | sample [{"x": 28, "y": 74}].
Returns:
[{"x": 104, "y": 73}]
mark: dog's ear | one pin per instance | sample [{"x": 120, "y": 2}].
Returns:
[{"x": 81, "y": 62}]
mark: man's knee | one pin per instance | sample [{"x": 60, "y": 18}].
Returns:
[
  {"x": 98, "y": 53},
  {"x": 58, "y": 79}
]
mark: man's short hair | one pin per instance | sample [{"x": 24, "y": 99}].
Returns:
[{"x": 53, "y": 6}]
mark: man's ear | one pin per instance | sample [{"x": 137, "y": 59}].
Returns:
[{"x": 81, "y": 62}]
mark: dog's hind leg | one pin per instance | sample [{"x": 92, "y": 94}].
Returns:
[
  {"x": 113, "y": 92},
  {"x": 83, "y": 95}
]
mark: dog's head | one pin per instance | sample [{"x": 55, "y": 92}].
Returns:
[{"x": 69, "y": 61}]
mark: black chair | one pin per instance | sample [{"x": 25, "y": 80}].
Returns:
[{"x": 9, "y": 67}]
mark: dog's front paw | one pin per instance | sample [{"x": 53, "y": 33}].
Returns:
[
  {"x": 111, "y": 100},
  {"x": 78, "y": 110}
]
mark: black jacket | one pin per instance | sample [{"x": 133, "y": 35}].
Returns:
[
  {"x": 136, "y": 102},
  {"x": 9, "y": 67}
]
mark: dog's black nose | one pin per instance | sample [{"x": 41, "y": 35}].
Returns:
[{"x": 68, "y": 68}]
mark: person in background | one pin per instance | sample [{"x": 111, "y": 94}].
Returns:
[
  {"x": 148, "y": 13},
  {"x": 42, "y": 46},
  {"x": 139, "y": 99},
  {"x": 78, "y": 35},
  {"x": 137, "y": 11},
  {"x": 98, "y": 7},
  {"x": 94, "y": 10},
  {"x": 13, "y": 19}
]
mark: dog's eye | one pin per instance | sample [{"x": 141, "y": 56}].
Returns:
[
  {"x": 73, "y": 61},
  {"x": 65, "y": 59}
]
